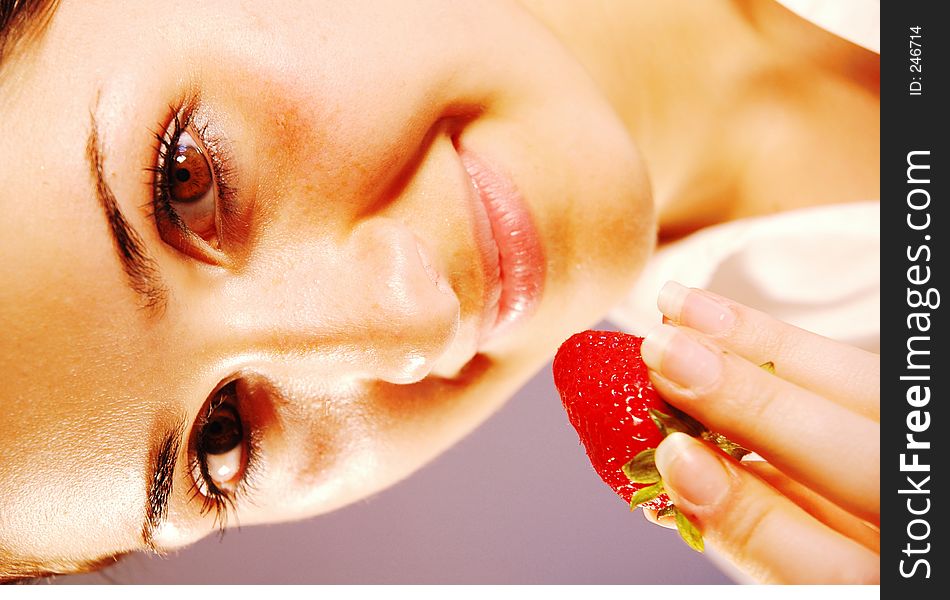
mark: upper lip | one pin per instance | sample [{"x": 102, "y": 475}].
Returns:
[
  {"x": 490, "y": 259},
  {"x": 511, "y": 254},
  {"x": 508, "y": 259},
  {"x": 489, "y": 253},
  {"x": 483, "y": 270}
]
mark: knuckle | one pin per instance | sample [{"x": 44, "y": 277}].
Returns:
[
  {"x": 761, "y": 400},
  {"x": 772, "y": 342},
  {"x": 743, "y": 390},
  {"x": 748, "y": 527},
  {"x": 757, "y": 336}
]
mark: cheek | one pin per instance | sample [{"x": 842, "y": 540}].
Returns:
[
  {"x": 87, "y": 483},
  {"x": 417, "y": 422},
  {"x": 76, "y": 414}
]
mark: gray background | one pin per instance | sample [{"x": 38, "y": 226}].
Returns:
[{"x": 515, "y": 502}]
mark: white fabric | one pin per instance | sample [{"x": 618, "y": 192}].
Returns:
[
  {"x": 858, "y": 21},
  {"x": 817, "y": 268}
]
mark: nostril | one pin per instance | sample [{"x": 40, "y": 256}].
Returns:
[
  {"x": 415, "y": 368},
  {"x": 433, "y": 273},
  {"x": 408, "y": 316}
]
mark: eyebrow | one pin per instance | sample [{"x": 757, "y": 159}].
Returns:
[
  {"x": 161, "y": 482},
  {"x": 141, "y": 270}
]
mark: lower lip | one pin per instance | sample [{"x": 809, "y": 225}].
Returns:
[{"x": 512, "y": 254}]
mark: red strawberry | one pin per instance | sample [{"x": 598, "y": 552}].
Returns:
[
  {"x": 607, "y": 394},
  {"x": 620, "y": 418}
]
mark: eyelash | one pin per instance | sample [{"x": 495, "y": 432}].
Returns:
[
  {"x": 211, "y": 497},
  {"x": 167, "y": 135}
]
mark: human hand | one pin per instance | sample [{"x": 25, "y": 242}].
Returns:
[{"x": 811, "y": 513}]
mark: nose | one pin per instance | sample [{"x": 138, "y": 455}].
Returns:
[
  {"x": 401, "y": 312},
  {"x": 371, "y": 306}
]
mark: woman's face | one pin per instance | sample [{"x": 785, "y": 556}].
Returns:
[{"x": 366, "y": 225}]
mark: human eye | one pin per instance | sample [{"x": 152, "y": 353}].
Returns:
[
  {"x": 221, "y": 455},
  {"x": 188, "y": 188}
]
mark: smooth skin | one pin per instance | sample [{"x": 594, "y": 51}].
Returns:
[
  {"x": 811, "y": 513},
  {"x": 615, "y": 120},
  {"x": 354, "y": 367}
]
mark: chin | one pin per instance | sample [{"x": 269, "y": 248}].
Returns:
[{"x": 610, "y": 248}]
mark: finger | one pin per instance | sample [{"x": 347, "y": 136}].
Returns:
[
  {"x": 814, "y": 504},
  {"x": 761, "y": 531},
  {"x": 847, "y": 375},
  {"x": 820, "y": 443},
  {"x": 827, "y": 512}
]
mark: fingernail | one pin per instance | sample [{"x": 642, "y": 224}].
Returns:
[
  {"x": 691, "y": 471},
  {"x": 670, "y": 299},
  {"x": 680, "y": 358},
  {"x": 694, "y": 309}
]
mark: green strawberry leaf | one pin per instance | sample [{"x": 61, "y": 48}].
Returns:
[
  {"x": 642, "y": 468},
  {"x": 679, "y": 421},
  {"x": 694, "y": 426},
  {"x": 725, "y": 444},
  {"x": 644, "y": 495},
  {"x": 664, "y": 422},
  {"x": 666, "y": 511},
  {"x": 688, "y": 531}
]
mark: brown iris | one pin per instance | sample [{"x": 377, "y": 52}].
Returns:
[
  {"x": 190, "y": 176},
  {"x": 223, "y": 432}
]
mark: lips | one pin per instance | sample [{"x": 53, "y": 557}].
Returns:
[{"x": 509, "y": 246}]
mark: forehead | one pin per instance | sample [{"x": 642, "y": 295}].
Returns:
[{"x": 76, "y": 440}]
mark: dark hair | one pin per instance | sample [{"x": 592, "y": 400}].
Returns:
[
  {"x": 21, "y": 22},
  {"x": 30, "y": 571}
]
